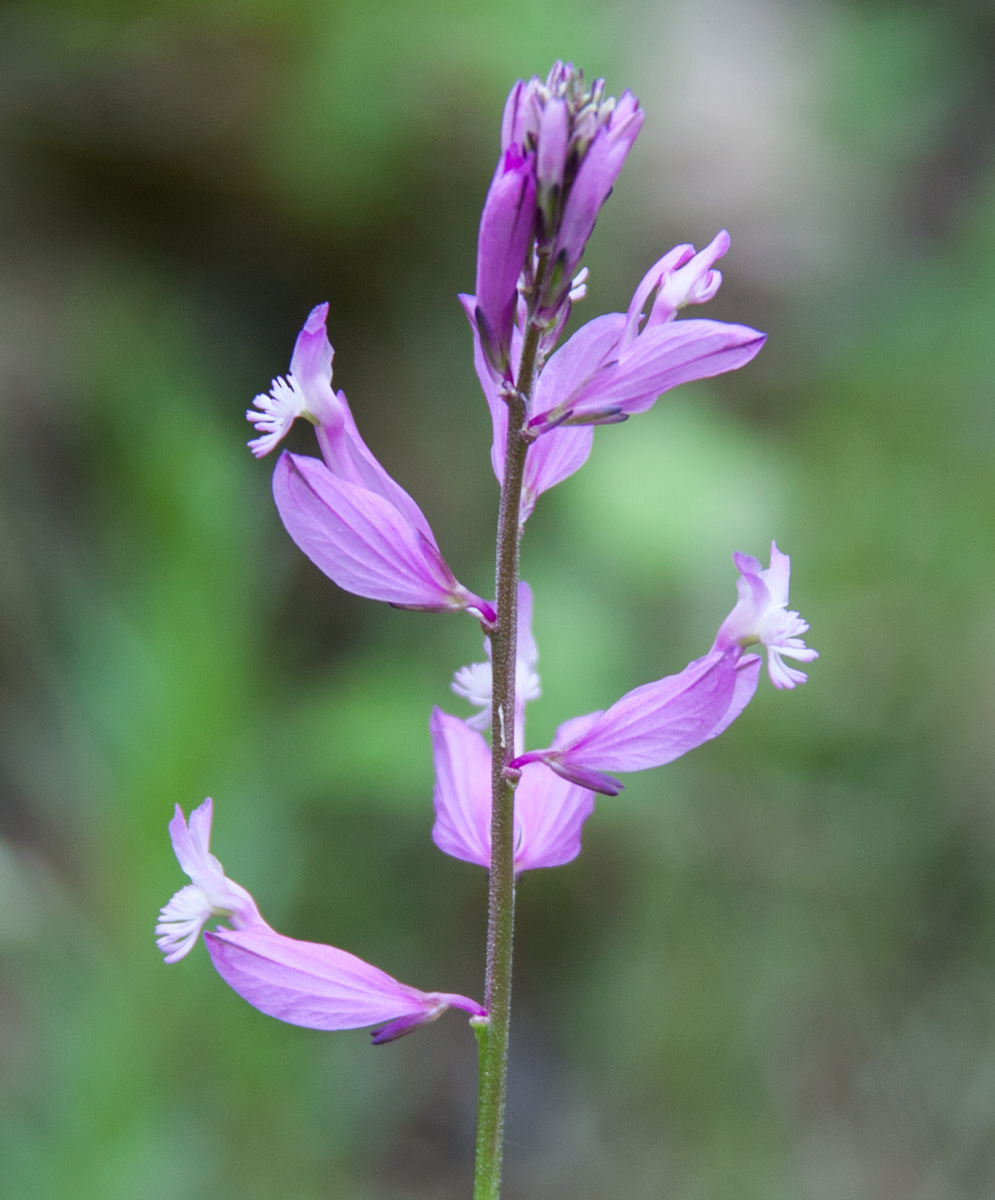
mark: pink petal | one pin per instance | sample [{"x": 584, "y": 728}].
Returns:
[
  {"x": 577, "y": 361},
  {"x": 550, "y": 813},
  {"x": 658, "y": 272},
  {"x": 663, "y": 357},
  {"x": 553, "y": 457},
  {"x": 689, "y": 282},
  {"x": 658, "y": 722},
  {"x": 498, "y": 408},
  {"x": 652, "y": 725},
  {"x": 311, "y": 361},
  {"x": 753, "y": 599},
  {"x": 747, "y": 676},
  {"x": 190, "y": 844},
  {"x": 462, "y": 790},
  {"x": 316, "y": 986},
  {"x": 347, "y": 456},
  {"x": 778, "y": 575},
  {"x": 360, "y": 540}
]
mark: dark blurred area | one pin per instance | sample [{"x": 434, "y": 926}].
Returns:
[{"x": 769, "y": 974}]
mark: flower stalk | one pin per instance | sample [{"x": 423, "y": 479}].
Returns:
[{"x": 493, "y": 1033}]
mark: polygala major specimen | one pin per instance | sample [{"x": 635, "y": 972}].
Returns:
[{"x": 499, "y": 804}]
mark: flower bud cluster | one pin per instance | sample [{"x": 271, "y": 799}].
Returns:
[
  {"x": 562, "y": 147},
  {"x": 580, "y": 138}
]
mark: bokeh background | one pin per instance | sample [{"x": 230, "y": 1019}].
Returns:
[{"x": 769, "y": 974}]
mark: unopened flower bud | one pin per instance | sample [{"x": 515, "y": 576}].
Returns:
[
  {"x": 553, "y": 141},
  {"x": 506, "y": 229}
]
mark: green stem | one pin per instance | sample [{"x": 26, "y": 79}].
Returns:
[{"x": 492, "y": 1031}]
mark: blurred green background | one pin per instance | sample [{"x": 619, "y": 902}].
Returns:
[{"x": 769, "y": 974}]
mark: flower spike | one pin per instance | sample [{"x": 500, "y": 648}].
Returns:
[
  {"x": 500, "y": 806},
  {"x": 302, "y": 983}
]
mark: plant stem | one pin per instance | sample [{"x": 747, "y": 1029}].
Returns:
[{"x": 492, "y": 1032}]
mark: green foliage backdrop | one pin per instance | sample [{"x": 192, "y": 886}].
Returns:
[{"x": 769, "y": 975}]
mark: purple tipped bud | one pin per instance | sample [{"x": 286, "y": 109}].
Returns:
[
  {"x": 521, "y": 114},
  {"x": 580, "y": 139},
  {"x": 606, "y": 150},
  {"x": 551, "y": 154},
  {"x": 506, "y": 228}
]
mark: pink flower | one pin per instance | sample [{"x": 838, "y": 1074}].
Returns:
[
  {"x": 618, "y": 364},
  {"x": 615, "y": 365},
  {"x": 208, "y": 894},
  {"x": 352, "y": 520},
  {"x": 660, "y": 721},
  {"x": 652, "y": 725},
  {"x": 550, "y": 459},
  {"x": 761, "y": 616},
  {"x": 549, "y": 811},
  {"x": 302, "y": 983}
]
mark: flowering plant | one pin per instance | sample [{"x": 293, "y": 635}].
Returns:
[{"x": 499, "y": 805}]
